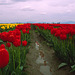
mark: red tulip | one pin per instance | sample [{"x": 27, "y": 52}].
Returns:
[
  {"x": 53, "y": 31},
  {"x": 29, "y": 28},
  {"x": 27, "y": 31},
  {"x": 2, "y": 46},
  {"x": 72, "y": 32},
  {"x": 17, "y": 42},
  {"x": 0, "y": 35},
  {"x": 24, "y": 43},
  {"x": 8, "y": 44},
  {"x": 57, "y": 34},
  {"x": 24, "y": 31},
  {"x": 63, "y": 37},
  {"x": 17, "y": 31},
  {"x": 45, "y": 27},
  {"x": 50, "y": 27},
  {"x": 4, "y": 36},
  {"x": 18, "y": 37},
  {"x": 4, "y": 57},
  {"x": 11, "y": 38},
  {"x": 63, "y": 31}
]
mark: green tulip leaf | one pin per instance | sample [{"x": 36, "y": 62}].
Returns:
[
  {"x": 13, "y": 73},
  {"x": 62, "y": 65},
  {"x": 73, "y": 68},
  {"x": 1, "y": 40},
  {"x": 21, "y": 67}
]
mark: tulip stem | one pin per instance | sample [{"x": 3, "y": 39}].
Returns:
[
  {"x": 25, "y": 35},
  {"x": 19, "y": 58},
  {"x": 13, "y": 60},
  {"x": 13, "y": 57},
  {"x": 24, "y": 53},
  {"x": 1, "y": 71},
  {"x": 9, "y": 54}
]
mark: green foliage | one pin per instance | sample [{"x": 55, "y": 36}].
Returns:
[
  {"x": 62, "y": 65},
  {"x": 1, "y": 41},
  {"x": 64, "y": 49},
  {"x": 46, "y": 35},
  {"x": 17, "y": 57},
  {"x": 73, "y": 68},
  {"x": 36, "y": 31}
]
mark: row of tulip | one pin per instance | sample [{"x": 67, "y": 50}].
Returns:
[
  {"x": 62, "y": 38},
  {"x": 13, "y": 50},
  {"x": 7, "y": 27},
  {"x": 6, "y": 24}
]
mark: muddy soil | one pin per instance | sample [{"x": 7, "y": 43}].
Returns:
[{"x": 41, "y": 59}]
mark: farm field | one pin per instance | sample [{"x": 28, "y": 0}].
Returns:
[{"x": 37, "y": 49}]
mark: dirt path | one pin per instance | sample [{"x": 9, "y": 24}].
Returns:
[{"x": 41, "y": 59}]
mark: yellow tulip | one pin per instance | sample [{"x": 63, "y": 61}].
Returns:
[
  {"x": 3, "y": 27},
  {"x": 7, "y": 27}
]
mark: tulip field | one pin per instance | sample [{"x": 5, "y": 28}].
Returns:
[
  {"x": 13, "y": 49},
  {"x": 15, "y": 44},
  {"x": 62, "y": 38}
]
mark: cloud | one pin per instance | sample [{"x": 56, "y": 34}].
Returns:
[
  {"x": 43, "y": 13},
  {"x": 6, "y": 2},
  {"x": 19, "y": 0},
  {"x": 60, "y": 2},
  {"x": 27, "y": 8},
  {"x": 24, "y": 0},
  {"x": 37, "y": 10},
  {"x": 0, "y": 13}
]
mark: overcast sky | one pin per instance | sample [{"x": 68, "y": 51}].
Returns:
[{"x": 37, "y": 10}]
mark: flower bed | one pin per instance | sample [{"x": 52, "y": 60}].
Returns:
[{"x": 15, "y": 44}]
